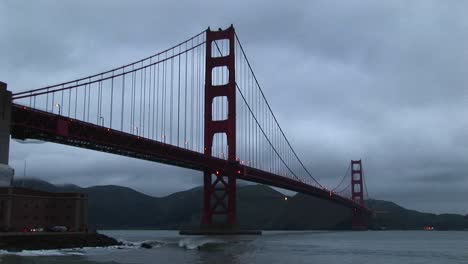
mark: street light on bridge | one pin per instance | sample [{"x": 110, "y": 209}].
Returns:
[{"x": 59, "y": 108}]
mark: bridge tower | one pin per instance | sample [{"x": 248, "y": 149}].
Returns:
[
  {"x": 219, "y": 205},
  {"x": 358, "y": 218}
]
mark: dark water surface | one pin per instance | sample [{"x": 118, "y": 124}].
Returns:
[{"x": 272, "y": 247}]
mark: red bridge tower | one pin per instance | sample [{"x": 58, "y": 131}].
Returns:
[
  {"x": 358, "y": 217},
  {"x": 219, "y": 205}
]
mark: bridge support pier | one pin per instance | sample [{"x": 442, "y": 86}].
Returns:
[
  {"x": 6, "y": 172},
  {"x": 219, "y": 201},
  {"x": 5, "y": 120},
  {"x": 359, "y": 220}
]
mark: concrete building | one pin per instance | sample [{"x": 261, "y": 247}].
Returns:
[
  {"x": 5, "y": 120},
  {"x": 22, "y": 209}
]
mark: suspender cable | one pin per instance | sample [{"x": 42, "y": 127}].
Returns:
[
  {"x": 112, "y": 100},
  {"x": 185, "y": 99},
  {"x": 157, "y": 105},
  {"x": 171, "y": 98},
  {"x": 123, "y": 104},
  {"x": 191, "y": 98},
  {"x": 142, "y": 126},
  {"x": 89, "y": 102},
  {"x": 178, "y": 102},
  {"x": 154, "y": 101},
  {"x": 274, "y": 117}
]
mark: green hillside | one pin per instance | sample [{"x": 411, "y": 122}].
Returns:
[{"x": 259, "y": 207}]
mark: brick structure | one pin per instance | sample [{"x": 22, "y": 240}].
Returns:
[{"x": 22, "y": 208}]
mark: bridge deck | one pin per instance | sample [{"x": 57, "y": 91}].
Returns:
[{"x": 36, "y": 124}]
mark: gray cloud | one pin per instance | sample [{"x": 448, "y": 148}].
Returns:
[{"x": 385, "y": 82}]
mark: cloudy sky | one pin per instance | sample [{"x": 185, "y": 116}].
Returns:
[{"x": 384, "y": 81}]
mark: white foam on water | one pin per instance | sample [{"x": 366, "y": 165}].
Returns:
[
  {"x": 127, "y": 245},
  {"x": 154, "y": 243},
  {"x": 70, "y": 251},
  {"x": 41, "y": 253},
  {"x": 199, "y": 242},
  {"x": 138, "y": 244}
]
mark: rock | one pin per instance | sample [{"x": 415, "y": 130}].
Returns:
[
  {"x": 146, "y": 245},
  {"x": 38, "y": 241}
]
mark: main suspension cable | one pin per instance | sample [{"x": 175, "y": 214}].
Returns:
[{"x": 110, "y": 71}]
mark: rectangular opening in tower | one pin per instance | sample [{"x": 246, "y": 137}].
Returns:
[
  {"x": 357, "y": 188},
  {"x": 220, "y": 48},
  {"x": 220, "y": 108},
  {"x": 356, "y": 166},
  {"x": 356, "y": 176},
  {"x": 220, "y": 76},
  {"x": 220, "y": 146}
]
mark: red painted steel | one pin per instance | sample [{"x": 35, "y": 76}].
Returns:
[
  {"x": 358, "y": 220},
  {"x": 36, "y": 124},
  {"x": 357, "y": 192},
  {"x": 219, "y": 205}
]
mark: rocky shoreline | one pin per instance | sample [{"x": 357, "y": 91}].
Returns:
[{"x": 44, "y": 241}]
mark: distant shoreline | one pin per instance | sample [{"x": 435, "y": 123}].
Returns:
[{"x": 290, "y": 230}]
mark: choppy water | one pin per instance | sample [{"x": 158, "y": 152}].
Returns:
[{"x": 272, "y": 247}]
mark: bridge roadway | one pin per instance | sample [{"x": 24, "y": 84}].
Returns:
[{"x": 29, "y": 123}]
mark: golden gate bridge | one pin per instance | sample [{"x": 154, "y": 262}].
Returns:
[{"x": 196, "y": 105}]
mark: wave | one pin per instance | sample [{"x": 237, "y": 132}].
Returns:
[
  {"x": 201, "y": 243},
  {"x": 144, "y": 243},
  {"x": 192, "y": 243},
  {"x": 70, "y": 251}
]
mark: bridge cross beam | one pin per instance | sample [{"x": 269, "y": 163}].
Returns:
[{"x": 219, "y": 187}]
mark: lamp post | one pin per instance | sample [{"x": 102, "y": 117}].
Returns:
[
  {"x": 102, "y": 120},
  {"x": 59, "y": 108}
]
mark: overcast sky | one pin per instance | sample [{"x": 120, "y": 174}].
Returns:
[{"x": 384, "y": 81}]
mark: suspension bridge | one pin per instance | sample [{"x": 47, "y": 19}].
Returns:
[{"x": 196, "y": 105}]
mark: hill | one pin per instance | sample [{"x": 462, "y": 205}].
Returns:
[
  {"x": 259, "y": 207},
  {"x": 393, "y": 216}
]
